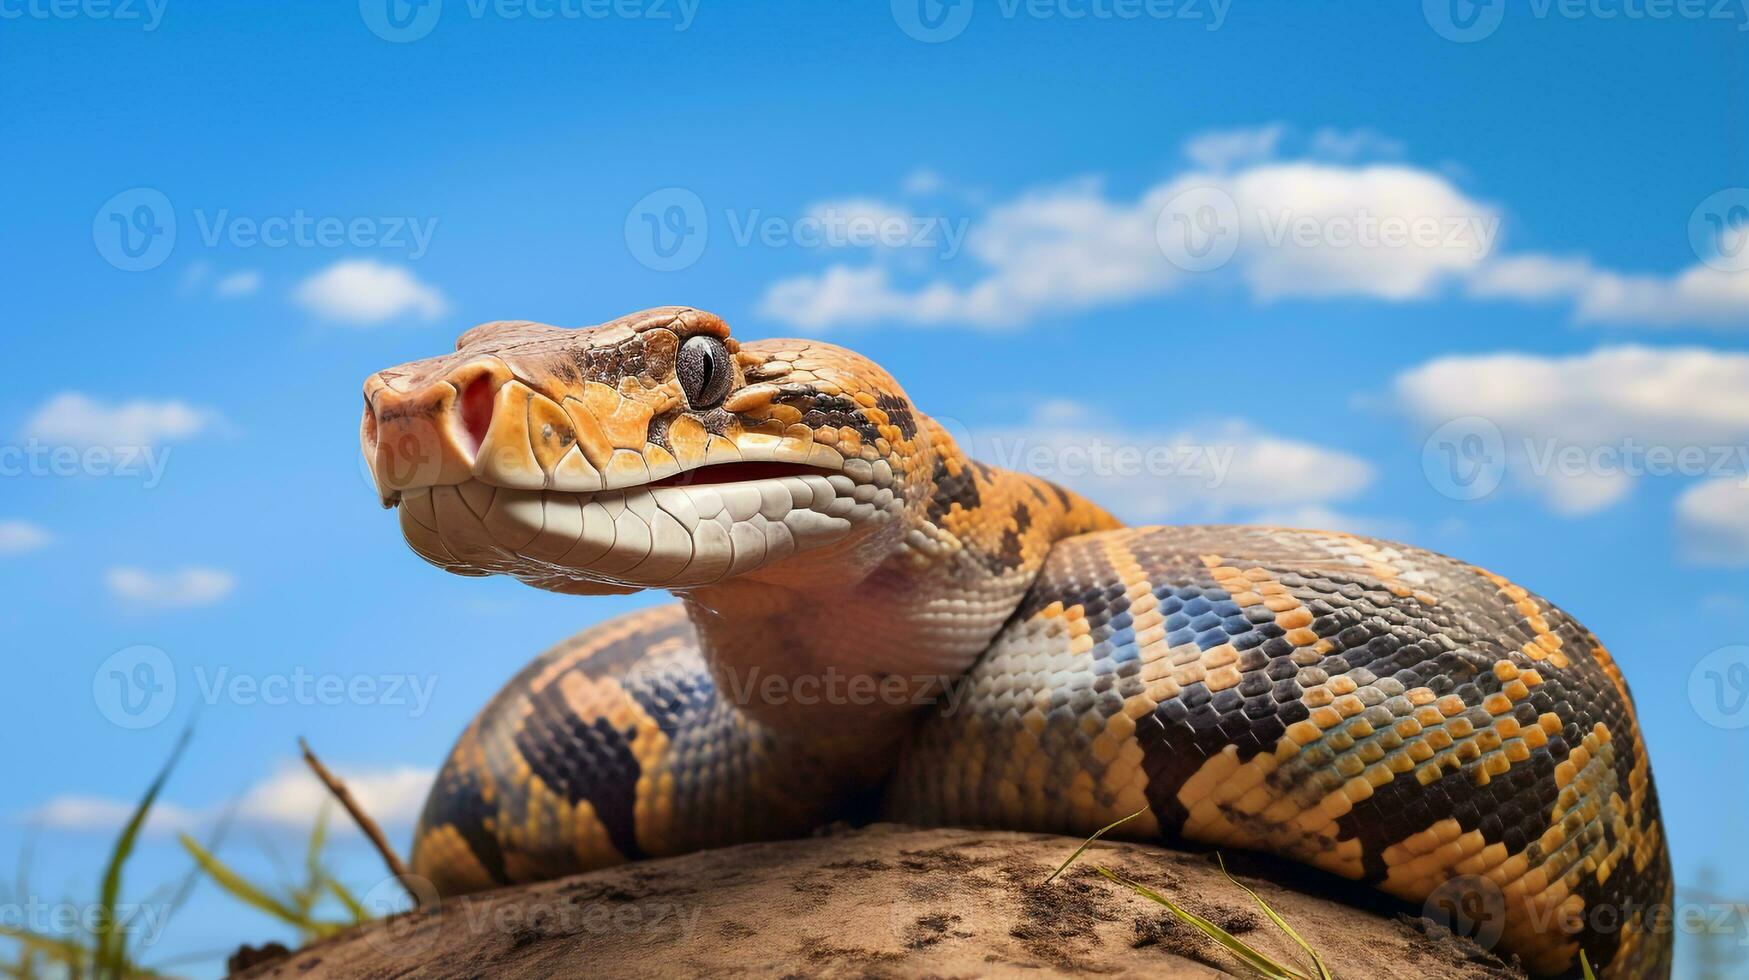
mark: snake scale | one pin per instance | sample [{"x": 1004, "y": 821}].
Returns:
[{"x": 870, "y": 621}]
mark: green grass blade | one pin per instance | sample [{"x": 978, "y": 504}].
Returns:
[
  {"x": 318, "y": 841},
  {"x": 1281, "y": 923},
  {"x": 310, "y": 893},
  {"x": 354, "y": 907},
  {"x": 239, "y": 887},
  {"x": 1101, "y": 832},
  {"x": 64, "y": 951},
  {"x": 111, "y": 958},
  {"x": 1257, "y": 961}
]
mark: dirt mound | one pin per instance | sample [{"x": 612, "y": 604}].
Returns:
[{"x": 884, "y": 901}]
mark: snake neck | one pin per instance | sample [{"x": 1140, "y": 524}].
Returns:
[{"x": 852, "y": 647}]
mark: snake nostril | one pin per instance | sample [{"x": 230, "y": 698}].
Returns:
[
  {"x": 476, "y": 408},
  {"x": 368, "y": 430}
]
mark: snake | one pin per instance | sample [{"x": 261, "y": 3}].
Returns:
[{"x": 873, "y": 624}]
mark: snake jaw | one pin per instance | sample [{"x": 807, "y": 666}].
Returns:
[{"x": 673, "y": 536}]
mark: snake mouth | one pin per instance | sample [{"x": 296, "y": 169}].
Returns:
[
  {"x": 743, "y": 472},
  {"x": 715, "y": 474},
  {"x": 689, "y": 529}
]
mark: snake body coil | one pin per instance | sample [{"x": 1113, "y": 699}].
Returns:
[{"x": 867, "y": 612}]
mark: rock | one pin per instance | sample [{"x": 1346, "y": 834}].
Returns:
[{"x": 884, "y": 901}]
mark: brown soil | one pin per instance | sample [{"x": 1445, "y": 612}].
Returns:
[{"x": 884, "y": 901}]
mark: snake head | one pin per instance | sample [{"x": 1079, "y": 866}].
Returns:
[{"x": 653, "y": 451}]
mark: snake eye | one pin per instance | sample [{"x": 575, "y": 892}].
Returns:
[{"x": 705, "y": 371}]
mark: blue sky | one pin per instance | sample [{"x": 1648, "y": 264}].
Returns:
[{"x": 997, "y": 212}]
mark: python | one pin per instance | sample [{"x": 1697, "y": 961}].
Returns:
[{"x": 1370, "y": 709}]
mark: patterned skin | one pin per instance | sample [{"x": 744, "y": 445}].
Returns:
[{"x": 871, "y": 622}]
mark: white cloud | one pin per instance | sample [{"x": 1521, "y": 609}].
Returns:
[
  {"x": 74, "y": 419},
  {"x": 1221, "y": 149},
  {"x": 1700, "y": 294},
  {"x": 196, "y": 274},
  {"x": 1300, "y": 229},
  {"x": 1225, "y": 471},
  {"x": 1318, "y": 517},
  {"x": 240, "y": 283},
  {"x": 90, "y": 813},
  {"x": 1329, "y": 143},
  {"x": 1712, "y": 521},
  {"x": 18, "y": 537},
  {"x": 1064, "y": 247},
  {"x": 1325, "y": 224},
  {"x": 1276, "y": 201},
  {"x": 922, "y": 181},
  {"x": 170, "y": 590},
  {"x": 364, "y": 291},
  {"x": 289, "y": 799},
  {"x": 1578, "y": 430}
]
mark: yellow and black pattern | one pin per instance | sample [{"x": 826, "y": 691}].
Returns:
[
  {"x": 1374, "y": 710},
  {"x": 611, "y": 747},
  {"x": 1370, "y": 709}
]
